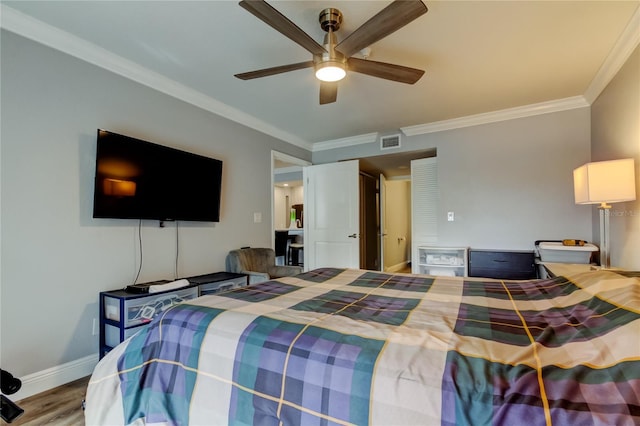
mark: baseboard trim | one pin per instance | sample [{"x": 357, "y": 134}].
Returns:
[
  {"x": 59, "y": 375},
  {"x": 398, "y": 267}
]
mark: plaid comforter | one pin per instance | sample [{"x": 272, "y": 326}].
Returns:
[{"x": 335, "y": 347}]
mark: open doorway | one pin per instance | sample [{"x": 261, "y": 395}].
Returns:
[
  {"x": 387, "y": 244},
  {"x": 287, "y": 198},
  {"x": 385, "y": 223},
  {"x": 392, "y": 194}
]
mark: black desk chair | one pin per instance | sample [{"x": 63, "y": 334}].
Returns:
[{"x": 293, "y": 254}]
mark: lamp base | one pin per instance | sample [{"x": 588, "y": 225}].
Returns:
[{"x": 605, "y": 256}]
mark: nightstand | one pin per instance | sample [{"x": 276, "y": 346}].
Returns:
[{"x": 502, "y": 264}]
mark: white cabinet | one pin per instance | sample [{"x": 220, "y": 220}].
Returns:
[
  {"x": 441, "y": 261},
  {"x": 123, "y": 314}
]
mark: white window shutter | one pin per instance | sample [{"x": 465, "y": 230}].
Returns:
[{"x": 425, "y": 195}]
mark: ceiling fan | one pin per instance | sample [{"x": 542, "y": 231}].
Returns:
[{"x": 332, "y": 60}]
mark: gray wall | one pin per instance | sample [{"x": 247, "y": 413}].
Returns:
[
  {"x": 615, "y": 126},
  {"x": 509, "y": 183},
  {"x": 55, "y": 257}
]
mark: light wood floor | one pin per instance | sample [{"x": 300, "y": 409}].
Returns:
[{"x": 61, "y": 406}]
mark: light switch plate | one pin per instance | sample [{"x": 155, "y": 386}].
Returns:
[
  {"x": 257, "y": 217},
  {"x": 450, "y": 216}
]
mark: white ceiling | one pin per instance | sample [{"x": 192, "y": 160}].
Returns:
[{"x": 479, "y": 57}]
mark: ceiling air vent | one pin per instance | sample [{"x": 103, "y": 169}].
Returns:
[{"x": 389, "y": 142}]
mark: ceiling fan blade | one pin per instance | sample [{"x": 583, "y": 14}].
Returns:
[
  {"x": 390, "y": 19},
  {"x": 328, "y": 92},
  {"x": 273, "y": 71},
  {"x": 385, "y": 70},
  {"x": 282, "y": 24}
]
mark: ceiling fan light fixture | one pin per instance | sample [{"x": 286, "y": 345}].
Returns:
[
  {"x": 332, "y": 59},
  {"x": 330, "y": 71}
]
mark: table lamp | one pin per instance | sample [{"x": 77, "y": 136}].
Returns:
[{"x": 601, "y": 183}]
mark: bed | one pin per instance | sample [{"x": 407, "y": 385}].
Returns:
[{"x": 343, "y": 346}]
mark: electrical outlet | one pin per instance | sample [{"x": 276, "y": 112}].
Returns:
[
  {"x": 450, "y": 216},
  {"x": 257, "y": 217},
  {"x": 94, "y": 328}
]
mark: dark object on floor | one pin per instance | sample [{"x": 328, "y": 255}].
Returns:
[
  {"x": 9, "y": 411},
  {"x": 9, "y": 384}
]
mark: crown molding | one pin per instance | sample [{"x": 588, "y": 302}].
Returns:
[
  {"x": 496, "y": 116},
  {"x": 31, "y": 28},
  {"x": 624, "y": 47},
  {"x": 38, "y": 31},
  {"x": 344, "y": 142}
]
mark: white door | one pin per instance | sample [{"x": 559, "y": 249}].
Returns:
[
  {"x": 383, "y": 227},
  {"x": 332, "y": 224}
]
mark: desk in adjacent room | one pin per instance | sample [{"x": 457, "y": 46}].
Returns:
[{"x": 296, "y": 236}]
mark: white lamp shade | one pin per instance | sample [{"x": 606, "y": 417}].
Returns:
[{"x": 605, "y": 182}]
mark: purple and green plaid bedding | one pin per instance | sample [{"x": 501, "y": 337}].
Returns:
[{"x": 337, "y": 347}]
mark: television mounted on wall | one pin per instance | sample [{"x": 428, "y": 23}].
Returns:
[{"x": 136, "y": 179}]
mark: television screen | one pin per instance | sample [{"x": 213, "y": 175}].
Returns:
[{"x": 136, "y": 179}]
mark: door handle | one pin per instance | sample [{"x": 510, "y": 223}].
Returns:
[{"x": 353, "y": 236}]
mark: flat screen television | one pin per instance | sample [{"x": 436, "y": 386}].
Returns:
[{"x": 136, "y": 179}]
